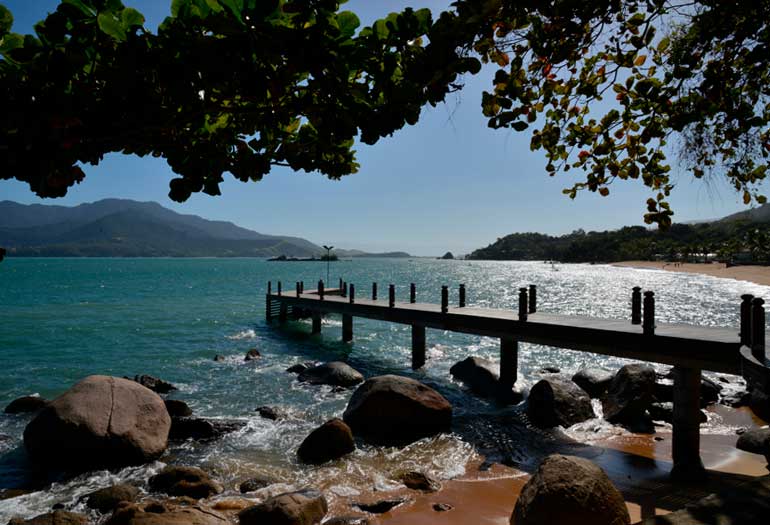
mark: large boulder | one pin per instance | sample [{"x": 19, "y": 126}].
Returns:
[
  {"x": 304, "y": 507},
  {"x": 756, "y": 441},
  {"x": 335, "y": 373},
  {"x": 332, "y": 440},
  {"x": 165, "y": 514},
  {"x": 567, "y": 489},
  {"x": 100, "y": 422},
  {"x": 199, "y": 429},
  {"x": 184, "y": 481},
  {"x": 25, "y": 405},
  {"x": 478, "y": 374},
  {"x": 555, "y": 401},
  {"x": 394, "y": 410},
  {"x": 629, "y": 395},
  {"x": 593, "y": 380},
  {"x": 106, "y": 499},
  {"x": 57, "y": 517},
  {"x": 177, "y": 408}
]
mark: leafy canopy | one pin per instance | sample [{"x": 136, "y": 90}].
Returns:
[{"x": 608, "y": 88}]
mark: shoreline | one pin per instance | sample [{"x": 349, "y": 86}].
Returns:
[
  {"x": 751, "y": 273},
  {"x": 637, "y": 464}
]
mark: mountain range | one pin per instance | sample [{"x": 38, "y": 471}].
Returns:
[{"x": 127, "y": 228}]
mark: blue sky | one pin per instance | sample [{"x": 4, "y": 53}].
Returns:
[{"x": 447, "y": 183}]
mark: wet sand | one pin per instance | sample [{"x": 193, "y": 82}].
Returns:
[
  {"x": 754, "y": 274},
  {"x": 638, "y": 465}
]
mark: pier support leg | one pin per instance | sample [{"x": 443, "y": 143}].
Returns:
[
  {"x": 283, "y": 312},
  {"x": 686, "y": 439},
  {"x": 347, "y": 328},
  {"x": 316, "y": 323},
  {"x": 418, "y": 346},
  {"x": 509, "y": 362}
]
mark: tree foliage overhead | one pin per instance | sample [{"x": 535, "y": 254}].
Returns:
[{"x": 609, "y": 89}]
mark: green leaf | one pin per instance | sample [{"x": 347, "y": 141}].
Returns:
[
  {"x": 111, "y": 26},
  {"x": 235, "y": 7},
  {"x": 424, "y": 19},
  {"x": 348, "y": 23},
  {"x": 10, "y": 42},
  {"x": 520, "y": 125},
  {"x": 178, "y": 6},
  {"x": 663, "y": 44},
  {"x": 131, "y": 17},
  {"x": 6, "y": 20},
  {"x": 85, "y": 9}
]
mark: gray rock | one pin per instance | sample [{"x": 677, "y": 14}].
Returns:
[
  {"x": 177, "y": 408},
  {"x": 478, "y": 374},
  {"x": 184, "y": 481},
  {"x": 199, "y": 429},
  {"x": 756, "y": 441},
  {"x": 347, "y": 520},
  {"x": 335, "y": 373},
  {"x": 665, "y": 412},
  {"x": 442, "y": 507},
  {"x": 271, "y": 413},
  {"x": 255, "y": 484},
  {"x": 593, "y": 380},
  {"x": 419, "y": 481},
  {"x": 100, "y": 422},
  {"x": 252, "y": 355},
  {"x": 572, "y": 490},
  {"x": 393, "y": 410},
  {"x": 301, "y": 367},
  {"x": 330, "y": 441},
  {"x": 629, "y": 395},
  {"x": 304, "y": 507},
  {"x": 106, "y": 499},
  {"x": 382, "y": 506},
  {"x": 155, "y": 384},
  {"x": 25, "y": 404},
  {"x": 555, "y": 401},
  {"x": 219, "y": 358}
]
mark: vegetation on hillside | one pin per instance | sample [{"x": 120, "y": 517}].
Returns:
[
  {"x": 735, "y": 241},
  {"x": 608, "y": 89}
]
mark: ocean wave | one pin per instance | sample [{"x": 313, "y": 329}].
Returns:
[{"x": 243, "y": 334}]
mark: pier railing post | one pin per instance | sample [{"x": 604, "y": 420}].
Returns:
[
  {"x": 648, "y": 324},
  {"x": 268, "y": 302},
  {"x": 340, "y": 286},
  {"x": 283, "y": 313},
  {"x": 374, "y": 291},
  {"x": 746, "y": 319},
  {"x": 418, "y": 346},
  {"x": 636, "y": 305},
  {"x": 392, "y": 295},
  {"x": 316, "y": 323},
  {"x": 523, "y": 306},
  {"x": 321, "y": 290},
  {"x": 444, "y": 299},
  {"x": 412, "y": 293},
  {"x": 685, "y": 443},
  {"x": 509, "y": 362},
  {"x": 758, "y": 329},
  {"x": 302, "y": 287},
  {"x": 461, "y": 301},
  {"x": 532, "y": 298},
  {"x": 279, "y": 287},
  {"x": 269, "y": 287},
  {"x": 299, "y": 290},
  {"x": 344, "y": 289},
  {"x": 352, "y": 293}
]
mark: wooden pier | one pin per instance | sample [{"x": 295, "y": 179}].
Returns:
[{"x": 689, "y": 349}]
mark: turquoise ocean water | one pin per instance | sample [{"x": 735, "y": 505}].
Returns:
[{"x": 63, "y": 319}]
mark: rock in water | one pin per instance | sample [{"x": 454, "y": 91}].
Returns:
[
  {"x": 271, "y": 413},
  {"x": 156, "y": 385},
  {"x": 100, "y": 422},
  {"x": 25, "y": 405},
  {"x": 629, "y": 395},
  {"x": 393, "y": 410},
  {"x": 177, "y": 408},
  {"x": 106, "y": 499},
  {"x": 254, "y": 484},
  {"x": 184, "y": 481},
  {"x": 304, "y": 507},
  {"x": 756, "y": 441},
  {"x": 419, "y": 481},
  {"x": 567, "y": 489},
  {"x": 252, "y": 355},
  {"x": 558, "y": 402},
  {"x": 330, "y": 441},
  {"x": 478, "y": 374},
  {"x": 57, "y": 517},
  {"x": 165, "y": 514},
  {"x": 593, "y": 380},
  {"x": 382, "y": 506},
  {"x": 335, "y": 373}
]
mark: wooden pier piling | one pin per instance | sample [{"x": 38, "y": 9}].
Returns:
[
  {"x": 412, "y": 293},
  {"x": 532, "y": 298},
  {"x": 648, "y": 315},
  {"x": 685, "y": 445},
  {"x": 347, "y": 328},
  {"x": 391, "y": 295},
  {"x": 523, "y": 304},
  {"x": 374, "y": 291},
  {"x": 418, "y": 346},
  {"x": 461, "y": 298},
  {"x": 636, "y": 305},
  {"x": 509, "y": 362},
  {"x": 758, "y": 329},
  {"x": 444, "y": 299}
]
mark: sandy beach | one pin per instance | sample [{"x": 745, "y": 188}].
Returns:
[
  {"x": 638, "y": 464},
  {"x": 754, "y": 274}
]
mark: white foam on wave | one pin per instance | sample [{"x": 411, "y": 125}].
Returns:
[{"x": 243, "y": 334}]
